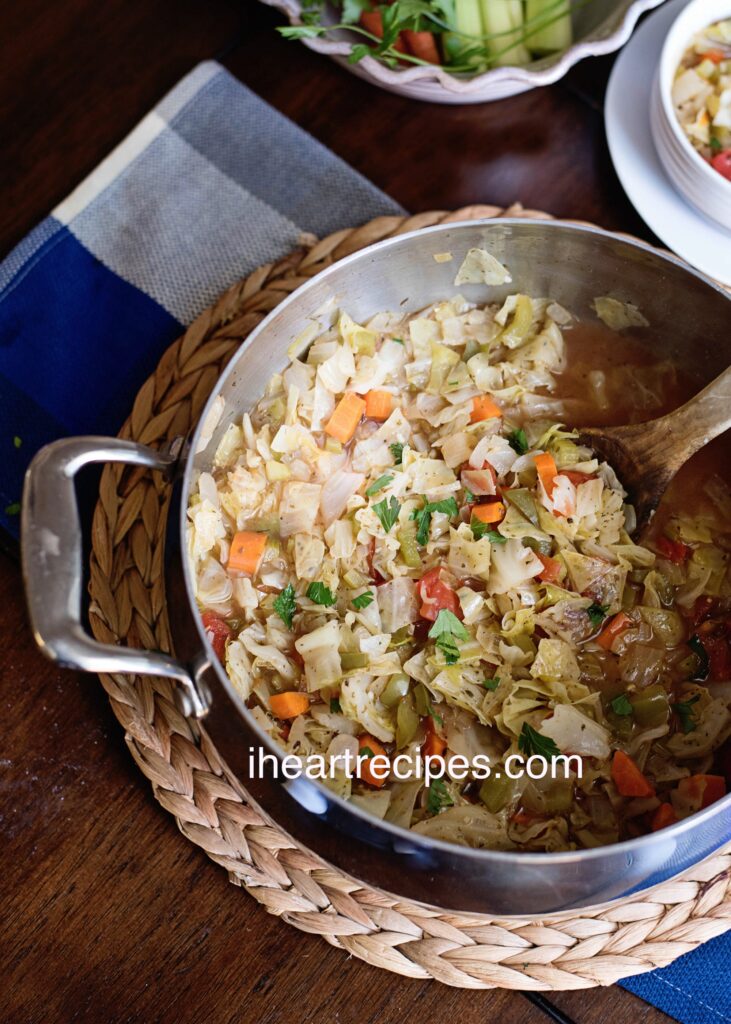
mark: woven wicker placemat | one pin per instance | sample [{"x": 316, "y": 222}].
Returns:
[{"x": 566, "y": 951}]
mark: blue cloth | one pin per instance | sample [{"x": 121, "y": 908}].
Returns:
[
  {"x": 210, "y": 185},
  {"x": 696, "y": 989}
]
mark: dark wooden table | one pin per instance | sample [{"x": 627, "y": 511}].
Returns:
[{"x": 109, "y": 914}]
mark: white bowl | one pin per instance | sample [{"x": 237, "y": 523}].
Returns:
[
  {"x": 692, "y": 176},
  {"x": 601, "y": 27}
]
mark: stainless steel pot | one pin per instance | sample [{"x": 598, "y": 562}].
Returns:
[{"x": 692, "y": 321}]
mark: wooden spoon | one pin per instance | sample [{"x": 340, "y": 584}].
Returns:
[{"x": 646, "y": 456}]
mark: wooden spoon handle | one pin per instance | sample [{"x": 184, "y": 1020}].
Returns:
[{"x": 697, "y": 422}]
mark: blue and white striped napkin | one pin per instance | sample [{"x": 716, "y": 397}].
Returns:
[{"x": 210, "y": 185}]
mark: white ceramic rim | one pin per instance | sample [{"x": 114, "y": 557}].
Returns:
[
  {"x": 530, "y": 78},
  {"x": 690, "y": 20}
]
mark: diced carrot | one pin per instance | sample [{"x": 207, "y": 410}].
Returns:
[
  {"x": 663, "y": 816},
  {"x": 378, "y": 405},
  {"x": 716, "y": 56},
  {"x": 434, "y": 745},
  {"x": 246, "y": 550},
  {"x": 483, "y": 408},
  {"x": 290, "y": 704},
  {"x": 373, "y": 776},
  {"x": 371, "y": 22},
  {"x": 348, "y": 414},
  {"x": 628, "y": 778},
  {"x": 551, "y": 569},
  {"x": 547, "y": 471},
  {"x": 422, "y": 45},
  {"x": 613, "y": 628},
  {"x": 702, "y": 789},
  {"x": 489, "y": 512}
]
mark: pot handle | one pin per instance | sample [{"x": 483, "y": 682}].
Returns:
[{"x": 53, "y": 569}]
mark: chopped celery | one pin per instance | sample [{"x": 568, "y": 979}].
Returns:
[
  {"x": 495, "y": 792},
  {"x": 548, "y": 28},
  {"x": 407, "y": 722},
  {"x": 523, "y": 500},
  {"x": 464, "y": 45},
  {"x": 651, "y": 706},
  {"x": 543, "y": 547},
  {"x": 409, "y": 547},
  {"x": 396, "y": 688},
  {"x": 402, "y": 636},
  {"x": 421, "y": 700},
  {"x": 355, "y": 579},
  {"x": 353, "y": 660},
  {"x": 503, "y": 22},
  {"x": 333, "y": 445}
]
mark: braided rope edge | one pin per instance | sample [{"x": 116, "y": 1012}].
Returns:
[{"x": 573, "y": 950}]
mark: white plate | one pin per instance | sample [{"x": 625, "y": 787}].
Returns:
[{"x": 684, "y": 229}]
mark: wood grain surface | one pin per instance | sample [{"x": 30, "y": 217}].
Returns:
[{"x": 109, "y": 915}]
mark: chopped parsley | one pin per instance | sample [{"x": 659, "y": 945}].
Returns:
[
  {"x": 531, "y": 741},
  {"x": 335, "y": 708},
  {"x": 286, "y": 605},
  {"x": 445, "y": 633},
  {"x": 468, "y": 496},
  {"x": 321, "y": 594},
  {"x": 13, "y": 510},
  {"x": 438, "y": 797},
  {"x": 696, "y": 645},
  {"x": 399, "y": 341},
  {"x": 437, "y": 718},
  {"x": 518, "y": 441},
  {"x": 621, "y": 705},
  {"x": 491, "y": 684},
  {"x": 387, "y": 511},
  {"x": 366, "y": 752},
  {"x": 397, "y": 450},
  {"x": 480, "y": 530},
  {"x": 686, "y": 715},
  {"x": 715, "y": 144},
  {"x": 597, "y": 614},
  {"x": 363, "y": 600},
  {"x": 379, "y": 484},
  {"x": 423, "y": 516}
]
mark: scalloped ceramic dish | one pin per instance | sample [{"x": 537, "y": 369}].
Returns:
[{"x": 600, "y": 27}]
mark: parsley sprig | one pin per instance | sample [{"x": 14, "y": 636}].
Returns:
[
  {"x": 438, "y": 797},
  {"x": 531, "y": 741},
  {"x": 422, "y": 516},
  {"x": 686, "y": 714},
  {"x": 397, "y": 450},
  {"x": 379, "y": 484},
  {"x": 480, "y": 530},
  {"x": 321, "y": 594},
  {"x": 445, "y": 633},
  {"x": 597, "y": 613},
  {"x": 285, "y": 605},
  {"x": 518, "y": 441},
  {"x": 363, "y": 600},
  {"x": 622, "y": 705},
  {"x": 387, "y": 511}
]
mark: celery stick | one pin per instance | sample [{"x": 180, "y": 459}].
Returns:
[
  {"x": 467, "y": 34},
  {"x": 499, "y": 17},
  {"x": 553, "y": 22}
]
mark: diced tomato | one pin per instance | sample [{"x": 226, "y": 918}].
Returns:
[
  {"x": 663, "y": 816},
  {"x": 721, "y": 162},
  {"x": 716, "y": 56},
  {"x": 218, "y": 632},
  {"x": 718, "y": 650},
  {"x": 435, "y": 595},
  {"x": 551, "y": 569},
  {"x": 434, "y": 745},
  {"x": 576, "y": 477},
  {"x": 702, "y": 790},
  {"x": 701, "y": 609},
  {"x": 674, "y": 550}
]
